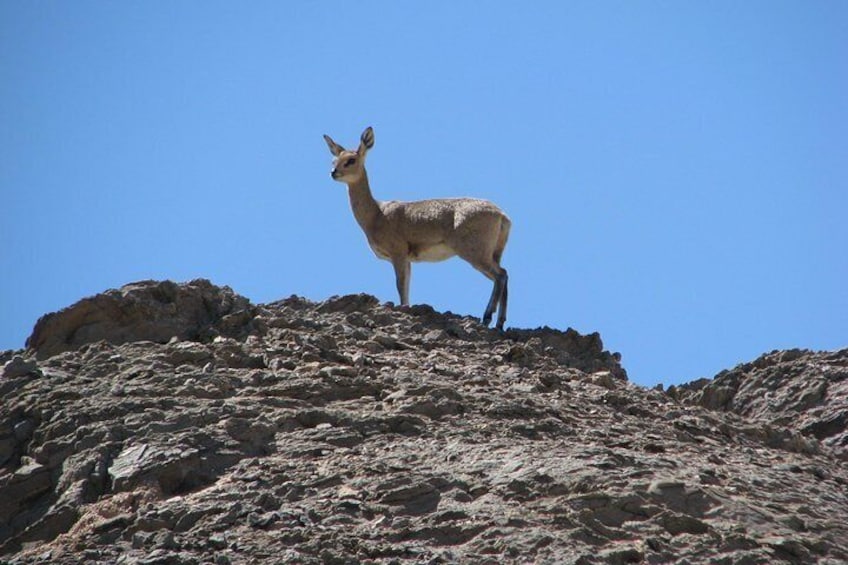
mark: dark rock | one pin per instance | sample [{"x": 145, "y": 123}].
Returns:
[
  {"x": 348, "y": 304},
  {"x": 23, "y": 430},
  {"x": 26, "y": 484},
  {"x": 6, "y": 355},
  {"x": 677, "y": 524}
]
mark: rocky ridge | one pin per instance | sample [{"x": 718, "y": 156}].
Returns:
[
  {"x": 179, "y": 423},
  {"x": 801, "y": 390}
]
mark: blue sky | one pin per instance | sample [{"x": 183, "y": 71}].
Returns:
[{"x": 676, "y": 172}]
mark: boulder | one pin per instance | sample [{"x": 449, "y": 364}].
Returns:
[{"x": 146, "y": 310}]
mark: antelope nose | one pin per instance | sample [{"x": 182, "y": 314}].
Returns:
[{"x": 334, "y": 173}]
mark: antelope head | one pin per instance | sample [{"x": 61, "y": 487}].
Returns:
[{"x": 349, "y": 166}]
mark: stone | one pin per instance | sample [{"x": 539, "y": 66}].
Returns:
[
  {"x": 17, "y": 366},
  {"x": 178, "y": 423},
  {"x": 798, "y": 391},
  {"x": 147, "y": 310}
]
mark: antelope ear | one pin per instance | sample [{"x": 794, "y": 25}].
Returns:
[
  {"x": 335, "y": 148},
  {"x": 366, "y": 141}
]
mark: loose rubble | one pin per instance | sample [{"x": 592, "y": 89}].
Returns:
[{"x": 166, "y": 423}]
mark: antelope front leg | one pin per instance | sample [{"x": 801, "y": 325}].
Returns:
[{"x": 403, "y": 272}]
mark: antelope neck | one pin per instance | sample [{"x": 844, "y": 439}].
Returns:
[{"x": 365, "y": 208}]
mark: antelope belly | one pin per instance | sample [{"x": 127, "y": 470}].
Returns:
[{"x": 432, "y": 253}]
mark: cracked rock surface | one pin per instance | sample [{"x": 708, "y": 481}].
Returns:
[
  {"x": 798, "y": 390},
  {"x": 179, "y": 423}
]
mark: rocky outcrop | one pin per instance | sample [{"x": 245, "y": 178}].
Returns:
[
  {"x": 349, "y": 431},
  {"x": 798, "y": 390},
  {"x": 148, "y": 310}
]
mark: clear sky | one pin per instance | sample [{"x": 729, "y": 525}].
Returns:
[{"x": 676, "y": 172}]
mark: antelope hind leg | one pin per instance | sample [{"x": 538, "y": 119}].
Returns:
[
  {"x": 502, "y": 306},
  {"x": 497, "y": 292}
]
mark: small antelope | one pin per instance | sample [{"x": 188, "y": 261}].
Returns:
[{"x": 425, "y": 230}]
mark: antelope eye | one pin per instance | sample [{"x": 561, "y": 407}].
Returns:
[{"x": 350, "y": 162}]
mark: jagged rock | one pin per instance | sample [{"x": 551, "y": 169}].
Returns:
[
  {"x": 25, "y": 484},
  {"x": 792, "y": 395},
  {"x": 165, "y": 423},
  {"x": 147, "y": 310},
  {"x": 17, "y": 366}
]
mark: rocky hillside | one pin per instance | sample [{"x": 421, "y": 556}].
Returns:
[
  {"x": 164, "y": 423},
  {"x": 796, "y": 390}
]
